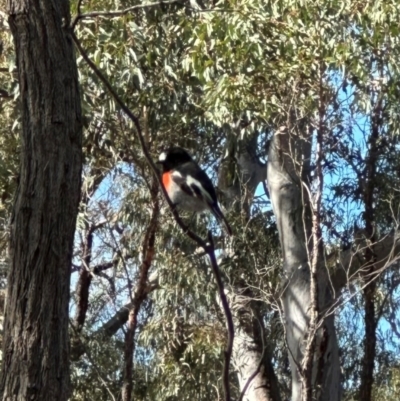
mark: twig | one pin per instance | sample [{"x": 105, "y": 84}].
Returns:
[
  {"x": 78, "y": 7},
  {"x": 208, "y": 247}
]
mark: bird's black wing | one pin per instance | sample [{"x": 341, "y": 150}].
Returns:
[
  {"x": 199, "y": 182},
  {"x": 194, "y": 179}
]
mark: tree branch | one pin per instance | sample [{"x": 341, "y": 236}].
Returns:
[
  {"x": 118, "y": 13},
  {"x": 352, "y": 261},
  {"x": 140, "y": 294},
  {"x": 121, "y": 316},
  {"x": 85, "y": 278},
  {"x": 307, "y": 362}
]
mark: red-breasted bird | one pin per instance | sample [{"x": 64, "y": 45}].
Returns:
[{"x": 188, "y": 186}]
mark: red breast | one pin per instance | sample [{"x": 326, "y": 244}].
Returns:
[{"x": 166, "y": 180}]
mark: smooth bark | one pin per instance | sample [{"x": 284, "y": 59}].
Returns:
[
  {"x": 287, "y": 174},
  {"x": 251, "y": 354},
  {"x": 36, "y": 353},
  {"x": 240, "y": 174}
]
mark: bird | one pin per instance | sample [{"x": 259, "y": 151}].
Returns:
[{"x": 188, "y": 186}]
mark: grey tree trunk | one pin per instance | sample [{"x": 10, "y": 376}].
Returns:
[
  {"x": 287, "y": 172},
  {"x": 251, "y": 355},
  {"x": 240, "y": 174},
  {"x": 35, "y": 349}
]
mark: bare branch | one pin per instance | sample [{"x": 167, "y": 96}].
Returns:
[
  {"x": 351, "y": 262},
  {"x": 228, "y": 315},
  {"x": 140, "y": 293}
]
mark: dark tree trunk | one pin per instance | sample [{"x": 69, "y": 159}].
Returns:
[
  {"x": 36, "y": 351},
  {"x": 367, "y": 373}
]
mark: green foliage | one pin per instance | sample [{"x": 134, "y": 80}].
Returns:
[{"x": 192, "y": 77}]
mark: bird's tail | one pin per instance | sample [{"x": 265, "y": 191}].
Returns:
[{"x": 217, "y": 212}]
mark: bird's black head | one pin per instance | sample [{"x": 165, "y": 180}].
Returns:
[{"x": 173, "y": 157}]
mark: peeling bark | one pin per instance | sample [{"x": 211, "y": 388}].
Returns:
[{"x": 36, "y": 352}]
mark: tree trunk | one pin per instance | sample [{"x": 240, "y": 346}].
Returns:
[
  {"x": 251, "y": 356},
  {"x": 288, "y": 166},
  {"x": 368, "y": 360},
  {"x": 370, "y": 320},
  {"x": 36, "y": 351},
  {"x": 239, "y": 176}
]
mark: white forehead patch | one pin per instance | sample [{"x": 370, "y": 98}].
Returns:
[{"x": 162, "y": 157}]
